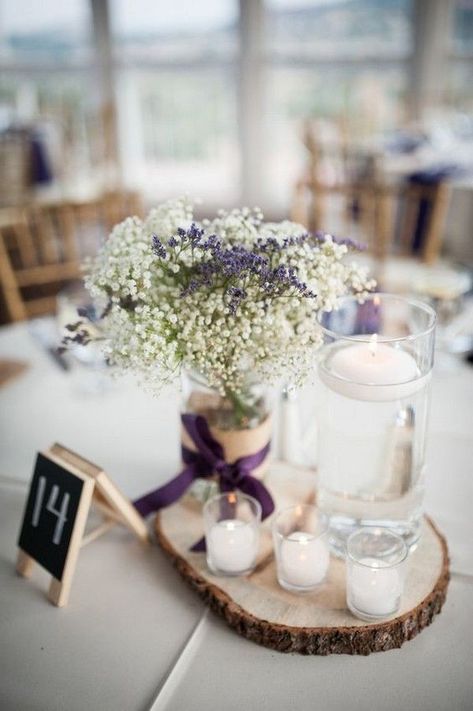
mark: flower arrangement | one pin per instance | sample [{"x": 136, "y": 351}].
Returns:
[{"x": 226, "y": 297}]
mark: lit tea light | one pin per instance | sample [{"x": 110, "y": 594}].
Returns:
[
  {"x": 373, "y": 589},
  {"x": 376, "y": 567},
  {"x": 301, "y": 548},
  {"x": 304, "y": 560},
  {"x": 232, "y": 523},
  {"x": 232, "y": 546}
]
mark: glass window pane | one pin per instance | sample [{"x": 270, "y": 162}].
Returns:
[
  {"x": 339, "y": 28},
  {"x": 342, "y": 61},
  {"x": 459, "y": 92},
  {"x": 179, "y": 132},
  {"x": 463, "y": 26},
  {"x": 45, "y": 30},
  {"x": 58, "y": 107},
  {"x": 355, "y": 101},
  {"x": 177, "y": 99},
  {"x": 174, "y": 31}
]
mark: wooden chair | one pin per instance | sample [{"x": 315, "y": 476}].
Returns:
[
  {"x": 335, "y": 173},
  {"x": 384, "y": 216},
  {"x": 408, "y": 219},
  {"x": 433, "y": 200},
  {"x": 42, "y": 247},
  {"x": 15, "y": 183}
]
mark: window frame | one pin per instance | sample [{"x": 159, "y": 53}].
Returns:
[{"x": 251, "y": 64}]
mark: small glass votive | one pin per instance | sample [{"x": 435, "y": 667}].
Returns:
[
  {"x": 301, "y": 548},
  {"x": 376, "y": 565},
  {"x": 232, "y": 521}
]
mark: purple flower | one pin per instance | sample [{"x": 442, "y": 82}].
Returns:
[
  {"x": 237, "y": 295},
  {"x": 158, "y": 247},
  {"x": 270, "y": 244},
  {"x": 350, "y": 243},
  {"x": 193, "y": 234},
  {"x": 212, "y": 244},
  {"x": 296, "y": 241},
  {"x": 234, "y": 268}
]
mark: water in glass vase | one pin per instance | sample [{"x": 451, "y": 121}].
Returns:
[
  {"x": 371, "y": 461},
  {"x": 374, "y": 370}
]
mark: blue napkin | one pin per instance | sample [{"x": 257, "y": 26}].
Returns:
[
  {"x": 40, "y": 167},
  {"x": 429, "y": 177}
]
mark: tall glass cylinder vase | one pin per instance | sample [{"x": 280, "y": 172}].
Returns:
[
  {"x": 374, "y": 374},
  {"x": 239, "y": 421}
]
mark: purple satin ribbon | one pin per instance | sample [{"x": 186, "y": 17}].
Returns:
[{"x": 206, "y": 461}]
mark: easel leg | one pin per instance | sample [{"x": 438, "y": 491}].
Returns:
[
  {"x": 99, "y": 531},
  {"x": 59, "y": 591},
  {"x": 24, "y": 564}
]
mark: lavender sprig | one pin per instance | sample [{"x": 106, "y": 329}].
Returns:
[
  {"x": 158, "y": 247},
  {"x": 235, "y": 268},
  {"x": 231, "y": 269}
]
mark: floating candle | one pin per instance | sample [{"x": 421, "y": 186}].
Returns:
[{"x": 372, "y": 371}]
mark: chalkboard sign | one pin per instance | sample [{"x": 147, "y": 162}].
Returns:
[
  {"x": 50, "y": 515},
  {"x": 62, "y": 489}
]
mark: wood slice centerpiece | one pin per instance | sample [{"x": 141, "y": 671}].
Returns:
[{"x": 313, "y": 623}]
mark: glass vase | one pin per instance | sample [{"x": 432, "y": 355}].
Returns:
[
  {"x": 241, "y": 422},
  {"x": 374, "y": 372}
]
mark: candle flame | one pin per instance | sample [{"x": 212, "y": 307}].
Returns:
[
  {"x": 232, "y": 499},
  {"x": 373, "y": 344}
]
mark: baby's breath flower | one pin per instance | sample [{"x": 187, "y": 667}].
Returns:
[{"x": 223, "y": 297}]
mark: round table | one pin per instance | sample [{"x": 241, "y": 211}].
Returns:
[{"x": 133, "y": 636}]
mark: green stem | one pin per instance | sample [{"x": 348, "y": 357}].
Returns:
[{"x": 244, "y": 410}]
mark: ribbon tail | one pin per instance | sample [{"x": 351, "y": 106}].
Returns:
[
  {"x": 200, "y": 546},
  {"x": 167, "y": 494},
  {"x": 255, "y": 488}
]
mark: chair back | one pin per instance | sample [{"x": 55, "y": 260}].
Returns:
[
  {"x": 43, "y": 245},
  {"x": 407, "y": 219},
  {"x": 15, "y": 180},
  {"x": 422, "y": 211}
]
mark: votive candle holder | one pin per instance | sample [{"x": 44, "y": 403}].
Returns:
[
  {"x": 376, "y": 564},
  {"x": 301, "y": 548},
  {"x": 232, "y": 531}
]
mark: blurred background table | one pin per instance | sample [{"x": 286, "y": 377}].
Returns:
[
  {"x": 334, "y": 111},
  {"x": 133, "y": 633}
]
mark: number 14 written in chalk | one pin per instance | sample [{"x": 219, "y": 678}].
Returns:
[{"x": 50, "y": 506}]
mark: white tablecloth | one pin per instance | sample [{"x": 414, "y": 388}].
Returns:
[{"x": 134, "y": 637}]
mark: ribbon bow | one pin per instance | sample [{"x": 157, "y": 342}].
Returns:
[{"x": 209, "y": 459}]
